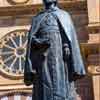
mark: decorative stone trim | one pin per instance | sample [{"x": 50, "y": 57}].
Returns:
[
  {"x": 72, "y": 6},
  {"x": 94, "y": 64},
  {"x": 15, "y": 2},
  {"x": 16, "y": 92},
  {"x": 90, "y": 52},
  {"x": 94, "y": 28}
]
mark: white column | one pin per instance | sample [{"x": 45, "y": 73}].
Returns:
[
  {"x": 17, "y": 97},
  {"x": 4, "y": 98},
  {"x": 93, "y": 11},
  {"x": 29, "y": 98},
  {"x": 96, "y": 84}
]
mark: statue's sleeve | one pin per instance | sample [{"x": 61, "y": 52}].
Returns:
[
  {"x": 28, "y": 71},
  {"x": 35, "y": 46},
  {"x": 79, "y": 67}
]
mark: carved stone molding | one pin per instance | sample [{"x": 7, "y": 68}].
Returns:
[
  {"x": 72, "y": 6},
  {"x": 20, "y": 10},
  {"x": 22, "y": 94},
  {"x": 91, "y": 55},
  {"x": 94, "y": 38},
  {"x": 94, "y": 28},
  {"x": 14, "y": 2},
  {"x": 94, "y": 70},
  {"x": 91, "y": 49},
  {"x": 94, "y": 64}
]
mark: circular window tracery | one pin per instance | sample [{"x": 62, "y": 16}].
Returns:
[{"x": 12, "y": 52}]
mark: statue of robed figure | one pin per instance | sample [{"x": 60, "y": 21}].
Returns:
[{"x": 53, "y": 58}]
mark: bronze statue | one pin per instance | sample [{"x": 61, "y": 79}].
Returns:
[{"x": 53, "y": 59}]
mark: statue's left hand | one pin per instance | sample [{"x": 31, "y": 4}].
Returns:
[{"x": 66, "y": 52}]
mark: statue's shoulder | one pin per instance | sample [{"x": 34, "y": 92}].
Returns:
[
  {"x": 37, "y": 18},
  {"x": 66, "y": 13},
  {"x": 39, "y": 15},
  {"x": 45, "y": 16}
]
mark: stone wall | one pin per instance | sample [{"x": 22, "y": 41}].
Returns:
[{"x": 15, "y": 20}]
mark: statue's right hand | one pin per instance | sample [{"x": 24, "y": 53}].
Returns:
[{"x": 40, "y": 45}]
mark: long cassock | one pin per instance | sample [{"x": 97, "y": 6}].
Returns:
[{"x": 50, "y": 31}]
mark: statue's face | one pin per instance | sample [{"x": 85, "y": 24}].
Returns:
[{"x": 49, "y": 1}]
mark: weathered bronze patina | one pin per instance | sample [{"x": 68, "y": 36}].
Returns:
[{"x": 53, "y": 52}]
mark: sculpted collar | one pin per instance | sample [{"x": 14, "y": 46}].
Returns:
[{"x": 51, "y": 9}]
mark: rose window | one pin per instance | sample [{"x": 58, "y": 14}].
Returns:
[{"x": 12, "y": 52}]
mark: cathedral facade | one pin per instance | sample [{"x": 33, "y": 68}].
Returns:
[{"x": 15, "y": 21}]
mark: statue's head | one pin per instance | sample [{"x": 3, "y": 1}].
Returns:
[{"x": 49, "y": 1}]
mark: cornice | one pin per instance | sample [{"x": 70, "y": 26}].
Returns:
[
  {"x": 90, "y": 48},
  {"x": 75, "y": 6},
  {"x": 19, "y": 10},
  {"x": 14, "y": 87},
  {"x": 94, "y": 64},
  {"x": 15, "y": 92},
  {"x": 94, "y": 28},
  {"x": 90, "y": 52},
  {"x": 15, "y": 2}
]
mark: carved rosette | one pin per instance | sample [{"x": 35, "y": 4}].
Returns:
[{"x": 12, "y": 53}]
